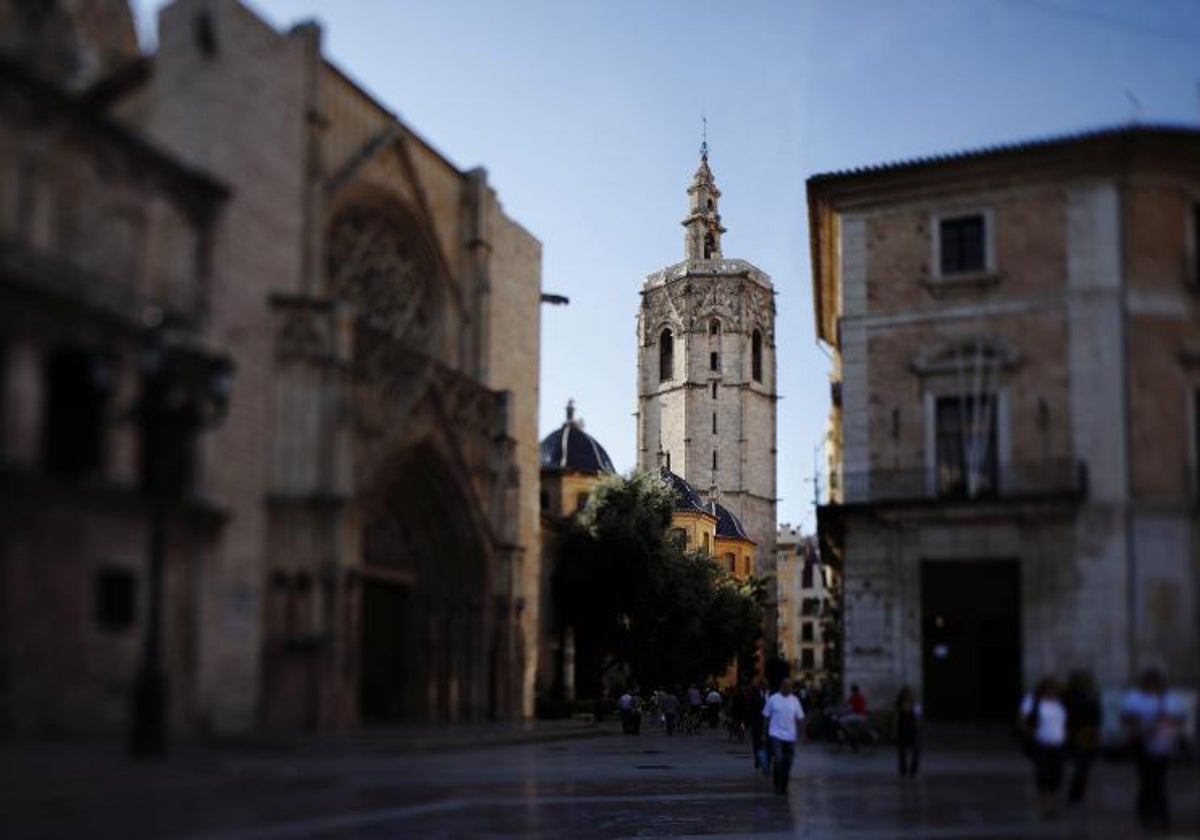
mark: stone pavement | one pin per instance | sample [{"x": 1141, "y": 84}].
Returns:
[{"x": 547, "y": 781}]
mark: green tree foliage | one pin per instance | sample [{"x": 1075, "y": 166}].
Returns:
[{"x": 638, "y": 602}]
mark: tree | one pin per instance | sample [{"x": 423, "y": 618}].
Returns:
[{"x": 637, "y": 602}]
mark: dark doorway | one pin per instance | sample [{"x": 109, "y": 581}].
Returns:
[
  {"x": 384, "y": 639},
  {"x": 971, "y": 639}
]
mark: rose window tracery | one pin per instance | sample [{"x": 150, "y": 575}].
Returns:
[{"x": 380, "y": 266}]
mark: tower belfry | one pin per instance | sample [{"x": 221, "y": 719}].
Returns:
[
  {"x": 702, "y": 227},
  {"x": 706, "y": 371}
]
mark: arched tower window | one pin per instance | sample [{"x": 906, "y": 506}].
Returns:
[
  {"x": 756, "y": 356},
  {"x": 710, "y": 245},
  {"x": 710, "y": 204},
  {"x": 666, "y": 356},
  {"x": 714, "y": 327}
]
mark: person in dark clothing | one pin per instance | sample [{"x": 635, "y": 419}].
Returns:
[
  {"x": 1154, "y": 720},
  {"x": 1082, "y": 702},
  {"x": 754, "y": 708},
  {"x": 908, "y": 744}
]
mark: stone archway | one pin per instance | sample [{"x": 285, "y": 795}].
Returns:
[{"x": 425, "y": 605}]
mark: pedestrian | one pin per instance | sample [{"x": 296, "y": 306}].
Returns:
[
  {"x": 631, "y": 717},
  {"x": 754, "y": 708},
  {"x": 713, "y": 701},
  {"x": 1044, "y": 722},
  {"x": 1082, "y": 702},
  {"x": 1154, "y": 721},
  {"x": 668, "y": 707},
  {"x": 907, "y": 731},
  {"x": 783, "y": 714},
  {"x": 739, "y": 702}
]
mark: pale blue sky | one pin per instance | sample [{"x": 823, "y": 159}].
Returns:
[{"x": 587, "y": 117}]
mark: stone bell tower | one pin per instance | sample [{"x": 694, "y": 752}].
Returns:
[{"x": 706, "y": 372}]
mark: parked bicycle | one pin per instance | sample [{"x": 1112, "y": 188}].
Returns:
[{"x": 853, "y": 732}]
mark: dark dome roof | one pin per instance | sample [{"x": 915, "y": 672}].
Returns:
[
  {"x": 686, "y": 497},
  {"x": 571, "y": 448},
  {"x": 729, "y": 525}
]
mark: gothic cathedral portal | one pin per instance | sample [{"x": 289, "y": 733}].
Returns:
[{"x": 706, "y": 373}]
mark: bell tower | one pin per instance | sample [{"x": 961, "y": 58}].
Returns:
[
  {"x": 702, "y": 227},
  {"x": 706, "y": 372}
]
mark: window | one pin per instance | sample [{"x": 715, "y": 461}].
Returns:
[
  {"x": 731, "y": 562},
  {"x": 714, "y": 361},
  {"x": 714, "y": 327},
  {"x": 810, "y": 606},
  {"x": 806, "y": 576},
  {"x": 806, "y": 631},
  {"x": 714, "y": 466},
  {"x": 116, "y": 599},
  {"x": 668, "y": 454},
  {"x": 679, "y": 537},
  {"x": 807, "y": 659},
  {"x": 581, "y": 499},
  {"x": 714, "y": 390},
  {"x": 965, "y": 430},
  {"x": 962, "y": 244},
  {"x": 710, "y": 246},
  {"x": 704, "y": 543},
  {"x": 714, "y": 419},
  {"x": 666, "y": 356},
  {"x": 756, "y": 356},
  {"x": 78, "y": 388}
]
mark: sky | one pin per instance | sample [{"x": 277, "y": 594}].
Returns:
[{"x": 587, "y": 116}]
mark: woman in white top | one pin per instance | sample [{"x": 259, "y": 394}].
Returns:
[{"x": 1044, "y": 720}]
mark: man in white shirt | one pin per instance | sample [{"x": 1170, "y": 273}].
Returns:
[{"x": 783, "y": 713}]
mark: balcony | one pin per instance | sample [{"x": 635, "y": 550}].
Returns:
[{"x": 1042, "y": 480}]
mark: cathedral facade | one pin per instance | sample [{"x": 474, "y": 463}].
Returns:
[
  {"x": 706, "y": 373},
  {"x": 359, "y": 539}
]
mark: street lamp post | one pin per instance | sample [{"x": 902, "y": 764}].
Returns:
[{"x": 180, "y": 396}]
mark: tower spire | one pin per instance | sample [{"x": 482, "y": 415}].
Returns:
[{"x": 702, "y": 227}]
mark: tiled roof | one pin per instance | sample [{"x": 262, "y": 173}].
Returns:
[
  {"x": 571, "y": 448},
  {"x": 729, "y": 525}
]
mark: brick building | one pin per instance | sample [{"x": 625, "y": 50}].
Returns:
[
  {"x": 360, "y": 541},
  {"x": 1015, "y": 443}
]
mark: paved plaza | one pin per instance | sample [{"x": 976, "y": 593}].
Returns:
[{"x": 551, "y": 783}]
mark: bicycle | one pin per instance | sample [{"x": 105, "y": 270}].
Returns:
[{"x": 855, "y": 734}]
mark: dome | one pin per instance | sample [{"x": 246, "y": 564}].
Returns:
[
  {"x": 686, "y": 497},
  {"x": 728, "y": 525},
  {"x": 571, "y": 448}
]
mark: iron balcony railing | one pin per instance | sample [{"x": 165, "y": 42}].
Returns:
[{"x": 1044, "y": 479}]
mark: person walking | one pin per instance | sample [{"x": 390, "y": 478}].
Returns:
[
  {"x": 1155, "y": 721},
  {"x": 668, "y": 707},
  {"x": 713, "y": 702},
  {"x": 907, "y": 733},
  {"x": 754, "y": 709},
  {"x": 1082, "y": 702},
  {"x": 783, "y": 714},
  {"x": 1044, "y": 720}
]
